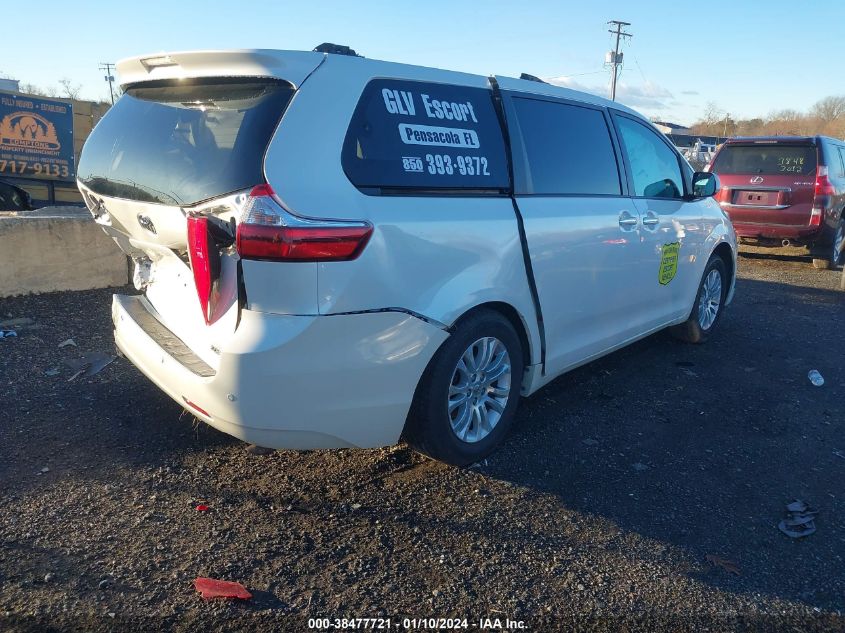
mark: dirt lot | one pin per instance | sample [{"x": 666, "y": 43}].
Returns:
[{"x": 618, "y": 482}]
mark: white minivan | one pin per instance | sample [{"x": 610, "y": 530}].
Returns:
[{"x": 335, "y": 251}]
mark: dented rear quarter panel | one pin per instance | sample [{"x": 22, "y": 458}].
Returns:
[{"x": 437, "y": 256}]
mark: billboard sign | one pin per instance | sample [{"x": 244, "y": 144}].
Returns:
[{"x": 36, "y": 138}]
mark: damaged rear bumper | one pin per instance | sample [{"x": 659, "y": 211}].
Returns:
[{"x": 300, "y": 382}]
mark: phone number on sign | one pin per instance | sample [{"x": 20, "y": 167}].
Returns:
[
  {"x": 22, "y": 167},
  {"x": 387, "y": 623},
  {"x": 464, "y": 165}
]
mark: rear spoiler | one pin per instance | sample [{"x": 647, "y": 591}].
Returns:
[{"x": 292, "y": 66}]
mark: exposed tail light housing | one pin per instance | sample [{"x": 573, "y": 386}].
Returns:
[
  {"x": 816, "y": 216},
  {"x": 205, "y": 264},
  {"x": 267, "y": 231}
]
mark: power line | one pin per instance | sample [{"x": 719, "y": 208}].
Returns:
[
  {"x": 642, "y": 74},
  {"x": 592, "y": 72},
  {"x": 109, "y": 77},
  {"x": 615, "y": 57}
]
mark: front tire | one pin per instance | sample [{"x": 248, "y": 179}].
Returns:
[
  {"x": 709, "y": 304},
  {"x": 467, "y": 397}
]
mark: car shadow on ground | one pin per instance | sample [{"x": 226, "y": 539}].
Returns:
[{"x": 702, "y": 446}]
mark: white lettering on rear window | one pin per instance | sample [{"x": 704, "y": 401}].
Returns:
[
  {"x": 437, "y": 136},
  {"x": 398, "y": 101},
  {"x": 436, "y": 109}
]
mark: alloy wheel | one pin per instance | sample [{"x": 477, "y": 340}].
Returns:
[
  {"x": 479, "y": 389},
  {"x": 710, "y": 299}
]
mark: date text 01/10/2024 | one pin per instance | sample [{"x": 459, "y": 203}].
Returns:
[{"x": 415, "y": 624}]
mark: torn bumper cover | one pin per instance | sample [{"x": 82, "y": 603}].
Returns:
[{"x": 300, "y": 382}]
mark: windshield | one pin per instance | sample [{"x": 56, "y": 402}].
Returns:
[
  {"x": 184, "y": 143},
  {"x": 766, "y": 159}
]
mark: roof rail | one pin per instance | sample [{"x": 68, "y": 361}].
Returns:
[{"x": 336, "y": 49}]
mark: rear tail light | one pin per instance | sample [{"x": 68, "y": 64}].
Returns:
[
  {"x": 822, "y": 193},
  {"x": 205, "y": 264},
  {"x": 267, "y": 231},
  {"x": 823, "y": 185}
]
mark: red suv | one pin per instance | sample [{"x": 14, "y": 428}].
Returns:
[{"x": 785, "y": 190}]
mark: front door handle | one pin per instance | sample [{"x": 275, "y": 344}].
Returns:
[
  {"x": 650, "y": 220},
  {"x": 627, "y": 221}
]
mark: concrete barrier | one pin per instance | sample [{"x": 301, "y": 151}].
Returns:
[{"x": 57, "y": 248}]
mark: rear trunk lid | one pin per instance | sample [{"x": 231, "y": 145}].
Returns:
[
  {"x": 166, "y": 173},
  {"x": 767, "y": 183}
]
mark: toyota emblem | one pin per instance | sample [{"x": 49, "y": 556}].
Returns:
[{"x": 146, "y": 223}]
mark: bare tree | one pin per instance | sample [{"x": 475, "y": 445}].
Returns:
[
  {"x": 712, "y": 113},
  {"x": 32, "y": 89},
  {"x": 825, "y": 117},
  {"x": 829, "y": 109},
  {"x": 71, "y": 90},
  {"x": 783, "y": 115}
]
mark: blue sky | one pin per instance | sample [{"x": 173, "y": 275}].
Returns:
[{"x": 749, "y": 57}]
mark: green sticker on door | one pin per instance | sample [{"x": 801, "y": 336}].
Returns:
[{"x": 668, "y": 263}]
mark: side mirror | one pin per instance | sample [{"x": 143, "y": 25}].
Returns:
[{"x": 704, "y": 184}]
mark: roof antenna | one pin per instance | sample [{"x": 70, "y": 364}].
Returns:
[
  {"x": 336, "y": 49},
  {"x": 528, "y": 77}
]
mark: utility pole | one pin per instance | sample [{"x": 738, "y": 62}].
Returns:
[
  {"x": 615, "y": 57},
  {"x": 109, "y": 77},
  {"x": 725, "y": 130}
]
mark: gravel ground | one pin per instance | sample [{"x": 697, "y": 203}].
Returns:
[{"x": 617, "y": 488}]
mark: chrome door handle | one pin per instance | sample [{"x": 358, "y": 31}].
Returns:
[
  {"x": 651, "y": 220},
  {"x": 627, "y": 221}
]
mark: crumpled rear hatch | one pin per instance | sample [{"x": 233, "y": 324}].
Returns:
[{"x": 166, "y": 173}]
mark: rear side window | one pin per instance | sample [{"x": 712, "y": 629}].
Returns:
[
  {"x": 416, "y": 135},
  {"x": 655, "y": 170},
  {"x": 769, "y": 159},
  {"x": 182, "y": 143},
  {"x": 567, "y": 149}
]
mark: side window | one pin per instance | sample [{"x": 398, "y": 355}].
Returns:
[
  {"x": 417, "y": 135},
  {"x": 842, "y": 162},
  {"x": 654, "y": 166},
  {"x": 567, "y": 149}
]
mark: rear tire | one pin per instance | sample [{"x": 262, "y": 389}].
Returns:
[
  {"x": 467, "y": 397},
  {"x": 709, "y": 304}
]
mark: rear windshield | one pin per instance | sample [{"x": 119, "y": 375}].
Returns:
[
  {"x": 182, "y": 144},
  {"x": 766, "y": 159}
]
